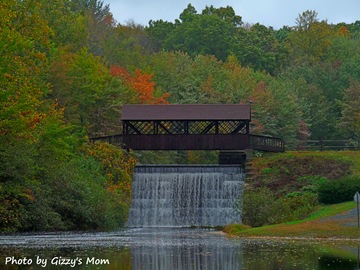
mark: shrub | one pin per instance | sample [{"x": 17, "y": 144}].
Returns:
[
  {"x": 257, "y": 207},
  {"x": 299, "y": 205},
  {"x": 338, "y": 191}
]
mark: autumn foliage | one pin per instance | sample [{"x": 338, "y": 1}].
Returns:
[
  {"x": 142, "y": 83},
  {"x": 67, "y": 68},
  {"x": 117, "y": 166}
]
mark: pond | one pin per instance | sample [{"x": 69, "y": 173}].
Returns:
[{"x": 168, "y": 248}]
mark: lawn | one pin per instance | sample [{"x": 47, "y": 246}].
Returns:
[{"x": 318, "y": 225}]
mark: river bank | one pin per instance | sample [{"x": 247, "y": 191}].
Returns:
[{"x": 333, "y": 222}]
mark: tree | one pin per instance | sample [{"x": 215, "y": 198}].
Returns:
[
  {"x": 117, "y": 166},
  {"x": 317, "y": 87},
  {"x": 188, "y": 14},
  {"x": 311, "y": 38},
  {"x": 99, "y": 23},
  {"x": 142, "y": 84},
  {"x": 208, "y": 33},
  {"x": 305, "y": 20},
  {"x": 129, "y": 45},
  {"x": 173, "y": 73},
  {"x": 350, "y": 114},
  {"x": 159, "y": 31},
  {"x": 268, "y": 95},
  {"x": 90, "y": 96},
  {"x": 68, "y": 25},
  {"x": 259, "y": 49},
  {"x": 226, "y": 13},
  {"x": 24, "y": 43},
  {"x": 31, "y": 127},
  {"x": 203, "y": 34}
]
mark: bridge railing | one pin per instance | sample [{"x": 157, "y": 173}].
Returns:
[
  {"x": 267, "y": 143},
  {"x": 113, "y": 139}
]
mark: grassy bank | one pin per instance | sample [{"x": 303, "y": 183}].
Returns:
[
  {"x": 318, "y": 225},
  {"x": 291, "y": 173}
]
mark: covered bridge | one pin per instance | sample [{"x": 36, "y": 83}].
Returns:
[{"x": 190, "y": 127}]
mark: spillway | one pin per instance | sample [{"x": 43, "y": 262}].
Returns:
[{"x": 191, "y": 195}]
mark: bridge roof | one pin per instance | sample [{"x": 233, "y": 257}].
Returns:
[{"x": 186, "y": 112}]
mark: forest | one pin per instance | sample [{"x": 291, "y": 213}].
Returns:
[{"x": 67, "y": 67}]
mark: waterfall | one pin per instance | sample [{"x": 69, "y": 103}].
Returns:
[{"x": 176, "y": 195}]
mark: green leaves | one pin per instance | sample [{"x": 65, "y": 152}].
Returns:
[
  {"x": 45, "y": 184},
  {"x": 312, "y": 39},
  {"x": 350, "y": 105},
  {"x": 91, "y": 97}
]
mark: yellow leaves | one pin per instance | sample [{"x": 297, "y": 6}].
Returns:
[{"x": 117, "y": 165}]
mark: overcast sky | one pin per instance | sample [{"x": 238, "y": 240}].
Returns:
[{"x": 275, "y": 13}]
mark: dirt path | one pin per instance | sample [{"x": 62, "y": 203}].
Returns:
[{"x": 348, "y": 218}]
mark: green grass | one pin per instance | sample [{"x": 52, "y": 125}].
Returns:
[
  {"x": 330, "y": 210},
  {"x": 311, "y": 227}
]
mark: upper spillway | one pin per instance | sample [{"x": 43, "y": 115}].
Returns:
[{"x": 192, "y": 195}]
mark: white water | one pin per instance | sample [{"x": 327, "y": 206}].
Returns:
[{"x": 196, "y": 195}]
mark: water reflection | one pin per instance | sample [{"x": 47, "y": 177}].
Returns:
[
  {"x": 195, "y": 257},
  {"x": 178, "y": 249}
]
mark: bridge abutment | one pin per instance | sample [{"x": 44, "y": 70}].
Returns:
[{"x": 235, "y": 157}]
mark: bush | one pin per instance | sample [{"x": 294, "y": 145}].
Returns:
[
  {"x": 254, "y": 206},
  {"x": 340, "y": 190},
  {"x": 299, "y": 205}
]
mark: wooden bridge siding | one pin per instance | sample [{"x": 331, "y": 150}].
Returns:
[
  {"x": 269, "y": 144},
  {"x": 195, "y": 142},
  {"x": 186, "y": 142}
]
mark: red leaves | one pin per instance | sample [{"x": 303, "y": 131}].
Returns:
[{"x": 141, "y": 83}]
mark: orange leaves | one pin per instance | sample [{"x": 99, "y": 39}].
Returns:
[
  {"x": 344, "y": 32},
  {"x": 120, "y": 72},
  {"x": 141, "y": 83},
  {"x": 144, "y": 85}
]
